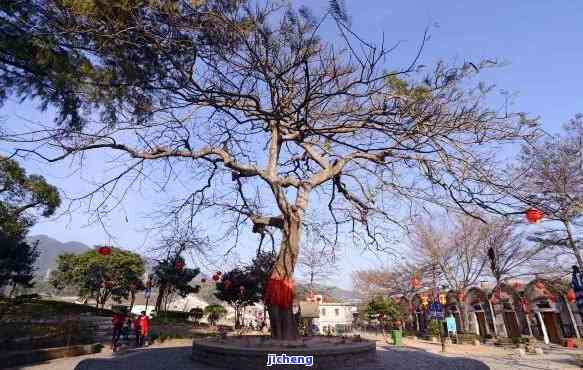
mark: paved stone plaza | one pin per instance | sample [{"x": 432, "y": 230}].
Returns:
[{"x": 414, "y": 355}]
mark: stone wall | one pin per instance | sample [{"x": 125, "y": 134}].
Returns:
[{"x": 339, "y": 356}]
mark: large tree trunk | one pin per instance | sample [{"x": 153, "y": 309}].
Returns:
[
  {"x": 279, "y": 292},
  {"x": 159, "y": 299}
]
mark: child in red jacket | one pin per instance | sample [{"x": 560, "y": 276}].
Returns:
[{"x": 144, "y": 326}]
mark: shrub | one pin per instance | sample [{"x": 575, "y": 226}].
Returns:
[
  {"x": 434, "y": 328},
  {"x": 215, "y": 312},
  {"x": 174, "y": 316},
  {"x": 196, "y": 314}
]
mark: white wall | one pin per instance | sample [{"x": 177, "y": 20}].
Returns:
[{"x": 331, "y": 315}]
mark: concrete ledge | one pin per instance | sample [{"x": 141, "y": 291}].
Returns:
[
  {"x": 341, "y": 355},
  {"x": 18, "y": 358}
]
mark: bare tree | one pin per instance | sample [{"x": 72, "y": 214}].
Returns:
[
  {"x": 454, "y": 253},
  {"x": 548, "y": 175},
  {"x": 509, "y": 253},
  {"x": 281, "y": 118},
  {"x": 388, "y": 281},
  {"x": 316, "y": 263}
]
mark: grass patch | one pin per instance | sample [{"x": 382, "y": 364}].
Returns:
[
  {"x": 42, "y": 309},
  {"x": 19, "y": 336}
]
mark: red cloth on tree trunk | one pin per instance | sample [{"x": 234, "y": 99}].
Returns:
[{"x": 279, "y": 291}]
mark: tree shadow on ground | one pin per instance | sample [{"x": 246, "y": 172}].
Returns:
[
  {"x": 145, "y": 359},
  {"x": 397, "y": 358}
]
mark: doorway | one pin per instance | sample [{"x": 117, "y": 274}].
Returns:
[
  {"x": 552, "y": 327},
  {"x": 511, "y": 324},
  {"x": 481, "y": 317}
]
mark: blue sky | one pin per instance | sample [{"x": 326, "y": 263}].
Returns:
[{"x": 541, "y": 40}]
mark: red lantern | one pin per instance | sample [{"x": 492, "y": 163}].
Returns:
[
  {"x": 552, "y": 298},
  {"x": 415, "y": 283},
  {"x": 216, "y": 277},
  {"x": 179, "y": 265},
  {"x": 540, "y": 285},
  {"x": 534, "y": 215},
  {"x": 571, "y": 296},
  {"x": 461, "y": 296},
  {"x": 104, "y": 250},
  {"x": 517, "y": 285},
  {"x": 203, "y": 280},
  {"x": 227, "y": 284}
]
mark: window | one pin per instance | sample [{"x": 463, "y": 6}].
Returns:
[
  {"x": 337, "y": 312},
  {"x": 323, "y": 312}
]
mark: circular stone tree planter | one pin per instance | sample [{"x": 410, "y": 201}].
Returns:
[{"x": 259, "y": 352}]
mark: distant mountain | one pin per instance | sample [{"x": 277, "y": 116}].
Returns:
[
  {"x": 49, "y": 249},
  {"x": 333, "y": 293}
]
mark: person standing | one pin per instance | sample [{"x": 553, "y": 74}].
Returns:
[
  {"x": 144, "y": 326},
  {"x": 118, "y": 321},
  {"x": 137, "y": 330}
]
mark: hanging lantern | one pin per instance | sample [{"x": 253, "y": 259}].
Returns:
[
  {"x": 534, "y": 215},
  {"x": 571, "y": 296},
  {"x": 179, "y": 265},
  {"x": 104, "y": 250},
  {"x": 442, "y": 298},
  {"x": 415, "y": 283},
  {"x": 216, "y": 277},
  {"x": 461, "y": 296},
  {"x": 516, "y": 285},
  {"x": 203, "y": 280},
  {"x": 424, "y": 301},
  {"x": 552, "y": 298},
  {"x": 540, "y": 285},
  {"x": 227, "y": 284}
]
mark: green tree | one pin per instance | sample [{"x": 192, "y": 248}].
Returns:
[
  {"x": 85, "y": 56},
  {"x": 383, "y": 309},
  {"x": 260, "y": 268},
  {"x": 214, "y": 312},
  {"x": 239, "y": 288},
  {"x": 17, "y": 258},
  {"x": 170, "y": 276},
  {"x": 196, "y": 313},
  {"x": 20, "y": 194},
  {"x": 101, "y": 277}
]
